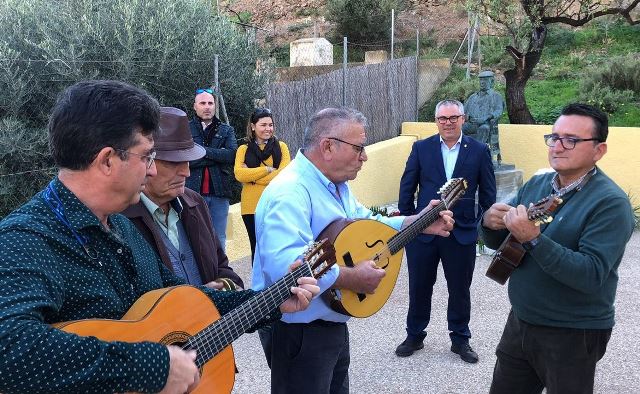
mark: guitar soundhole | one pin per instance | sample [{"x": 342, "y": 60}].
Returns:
[{"x": 177, "y": 338}]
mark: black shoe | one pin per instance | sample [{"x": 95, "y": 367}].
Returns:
[
  {"x": 406, "y": 348},
  {"x": 466, "y": 353}
]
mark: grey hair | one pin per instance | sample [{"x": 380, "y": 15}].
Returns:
[
  {"x": 330, "y": 122},
  {"x": 447, "y": 103}
]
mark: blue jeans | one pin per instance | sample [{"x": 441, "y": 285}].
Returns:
[{"x": 219, "y": 211}]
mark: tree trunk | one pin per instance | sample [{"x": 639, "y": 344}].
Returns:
[{"x": 518, "y": 76}]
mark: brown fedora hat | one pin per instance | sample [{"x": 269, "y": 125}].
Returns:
[{"x": 175, "y": 142}]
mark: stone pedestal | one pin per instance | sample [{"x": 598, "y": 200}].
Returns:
[
  {"x": 508, "y": 181},
  {"x": 374, "y": 57},
  {"x": 310, "y": 52}
]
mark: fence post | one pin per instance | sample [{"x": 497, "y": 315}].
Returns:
[
  {"x": 393, "y": 13},
  {"x": 417, "y": 71},
  {"x": 344, "y": 71},
  {"x": 216, "y": 83}
]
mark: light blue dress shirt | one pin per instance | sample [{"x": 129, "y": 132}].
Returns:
[
  {"x": 450, "y": 156},
  {"x": 296, "y": 206}
]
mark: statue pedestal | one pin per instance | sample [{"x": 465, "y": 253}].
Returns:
[{"x": 508, "y": 181}]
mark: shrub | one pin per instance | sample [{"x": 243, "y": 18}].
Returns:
[
  {"x": 166, "y": 47},
  {"x": 618, "y": 73},
  {"x": 604, "y": 97},
  {"x": 363, "y": 21}
]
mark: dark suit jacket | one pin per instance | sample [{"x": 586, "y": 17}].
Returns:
[
  {"x": 425, "y": 169},
  {"x": 211, "y": 260}
]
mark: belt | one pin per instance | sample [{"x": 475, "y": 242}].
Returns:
[{"x": 326, "y": 323}]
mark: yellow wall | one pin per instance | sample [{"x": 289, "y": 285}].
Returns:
[{"x": 522, "y": 145}]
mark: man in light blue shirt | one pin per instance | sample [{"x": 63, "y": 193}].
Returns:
[{"x": 297, "y": 205}]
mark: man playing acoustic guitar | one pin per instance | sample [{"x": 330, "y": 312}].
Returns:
[
  {"x": 68, "y": 255},
  {"x": 298, "y": 204},
  {"x": 563, "y": 291}
]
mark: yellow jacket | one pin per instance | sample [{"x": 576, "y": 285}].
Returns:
[{"x": 254, "y": 180}]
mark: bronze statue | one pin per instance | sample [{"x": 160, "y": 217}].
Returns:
[{"x": 483, "y": 109}]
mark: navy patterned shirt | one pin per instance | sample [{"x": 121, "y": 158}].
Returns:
[{"x": 47, "y": 276}]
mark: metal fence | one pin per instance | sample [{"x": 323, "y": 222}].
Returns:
[{"x": 385, "y": 93}]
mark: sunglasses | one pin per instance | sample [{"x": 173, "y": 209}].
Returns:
[{"x": 207, "y": 90}]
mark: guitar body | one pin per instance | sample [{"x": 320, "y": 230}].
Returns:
[
  {"x": 356, "y": 241},
  {"x": 161, "y": 316},
  {"x": 507, "y": 258}
]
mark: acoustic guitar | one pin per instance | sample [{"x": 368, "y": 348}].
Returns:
[
  {"x": 186, "y": 316},
  {"x": 510, "y": 253},
  {"x": 366, "y": 239}
]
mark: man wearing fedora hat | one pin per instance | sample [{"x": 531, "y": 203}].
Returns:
[{"x": 175, "y": 219}]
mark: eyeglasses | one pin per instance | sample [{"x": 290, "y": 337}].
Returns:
[
  {"x": 566, "y": 142},
  {"x": 207, "y": 90},
  {"x": 149, "y": 158},
  {"x": 357, "y": 148},
  {"x": 452, "y": 119}
]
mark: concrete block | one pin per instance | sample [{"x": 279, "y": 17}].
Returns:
[
  {"x": 310, "y": 52},
  {"x": 374, "y": 57}
]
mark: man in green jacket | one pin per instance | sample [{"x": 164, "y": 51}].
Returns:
[{"x": 563, "y": 292}]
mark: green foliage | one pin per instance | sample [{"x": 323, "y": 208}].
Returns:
[
  {"x": 574, "y": 60},
  {"x": 362, "y": 21},
  {"x": 604, "y": 97},
  {"x": 455, "y": 87},
  {"x": 493, "y": 52},
  {"x": 618, "y": 73},
  {"x": 384, "y": 211},
  {"x": 166, "y": 47}
]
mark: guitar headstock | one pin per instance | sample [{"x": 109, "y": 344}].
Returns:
[
  {"x": 320, "y": 256},
  {"x": 452, "y": 190},
  {"x": 540, "y": 212}
]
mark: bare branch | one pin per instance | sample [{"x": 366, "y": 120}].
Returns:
[{"x": 577, "y": 20}]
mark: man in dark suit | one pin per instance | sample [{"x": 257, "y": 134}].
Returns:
[{"x": 432, "y": 162}]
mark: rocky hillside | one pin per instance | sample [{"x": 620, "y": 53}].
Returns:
[{"x": 281, "y": 21}]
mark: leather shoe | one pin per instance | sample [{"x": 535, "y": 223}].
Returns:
[
  {"x": 408, "y": 346},
  {"x": 466, "y": 353}
]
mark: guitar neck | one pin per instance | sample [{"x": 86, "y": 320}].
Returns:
[
  {"x": 407, "y": 234},
  {"x": 213, "y": 339}
]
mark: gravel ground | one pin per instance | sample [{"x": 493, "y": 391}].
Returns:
[{"x": 435, "y": 369}]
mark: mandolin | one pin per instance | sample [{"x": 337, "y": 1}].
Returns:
[
  {"x": 186, "y": 316},
  {"x": 366, "y": 239},
  {"x": 510, "y": 253}
]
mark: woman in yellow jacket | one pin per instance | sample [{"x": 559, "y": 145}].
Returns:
[{"x": 257, "y": 163}]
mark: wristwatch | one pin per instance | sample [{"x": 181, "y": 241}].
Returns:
[{"x": 530, "y": 245}]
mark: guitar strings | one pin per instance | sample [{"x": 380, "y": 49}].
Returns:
[{"x": 213, "y": 339}]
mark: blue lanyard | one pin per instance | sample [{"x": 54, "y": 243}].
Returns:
[{"x": 55, "y": 204}]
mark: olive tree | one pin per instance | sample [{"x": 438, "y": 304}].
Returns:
[
  {"x": 526, "y": 23},
  {"x": 164, "y": 46}
]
